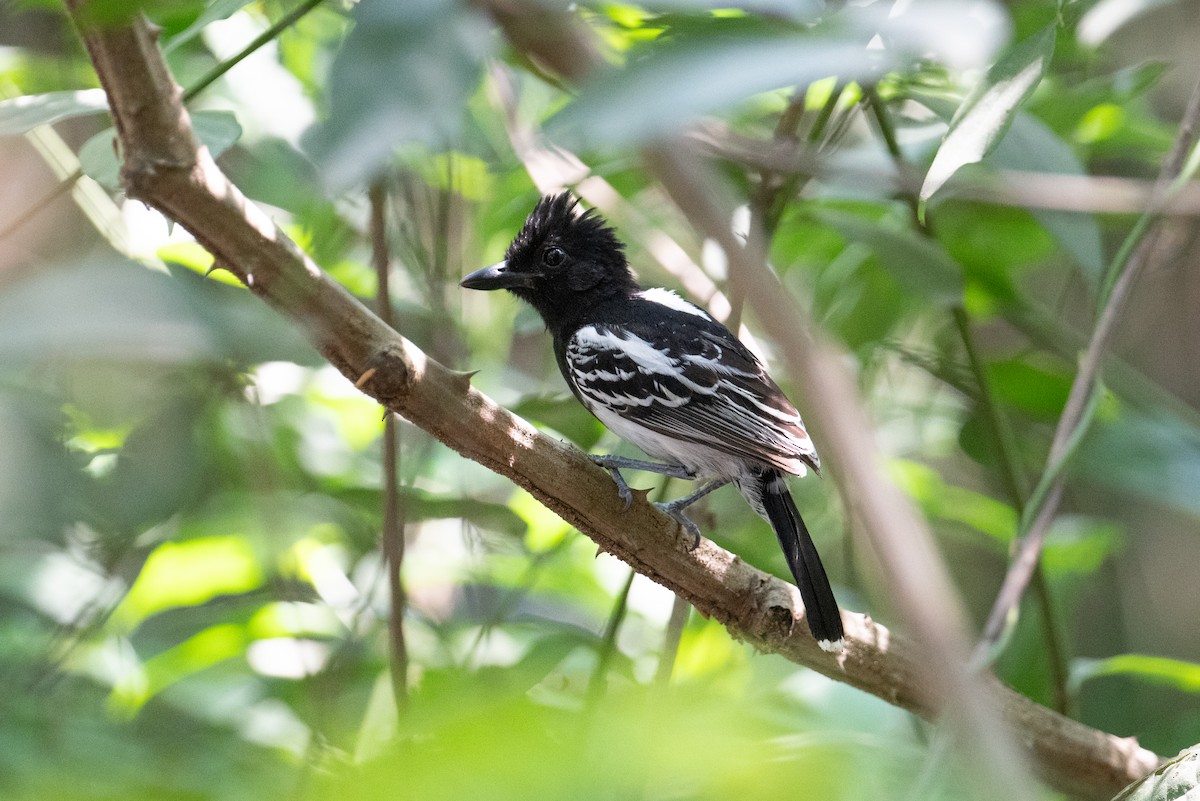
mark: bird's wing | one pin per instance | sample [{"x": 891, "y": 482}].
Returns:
[{"x": 693, "y": 383}]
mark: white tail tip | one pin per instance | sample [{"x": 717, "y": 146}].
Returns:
[{"x": 832, "y": 646}]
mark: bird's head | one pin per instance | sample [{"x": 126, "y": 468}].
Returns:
[{"x": 561, "y": 261}]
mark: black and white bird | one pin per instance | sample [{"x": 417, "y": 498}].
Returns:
[{"x": 661, "y": 373}]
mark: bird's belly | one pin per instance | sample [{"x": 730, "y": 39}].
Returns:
[{"x": 703, "y": 460}]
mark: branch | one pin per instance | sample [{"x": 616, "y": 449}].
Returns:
[
  {"x": 1081, "y": 402},
  {"x": 166, "y": 168},
  {"x": 916, "y": 576},
  {"x": 1086, "y": 194},
  {"x": 392, "y": 531}
]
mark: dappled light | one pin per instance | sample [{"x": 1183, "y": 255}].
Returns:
[{"x": 228, "y": 572}]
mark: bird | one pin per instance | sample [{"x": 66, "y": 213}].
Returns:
[{"x": 663, "y": 374}]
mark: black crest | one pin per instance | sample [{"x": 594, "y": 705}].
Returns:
[{"x": 557, "y": 222}]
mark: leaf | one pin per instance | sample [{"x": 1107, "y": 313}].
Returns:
[
  {"x": 1154, "y": 669},
  {"x": 159, "y": 470},
  {"x": 109, "y": 310},
  {"x": 565, "y": 415},
  {"x": 216, "y": 130},
  {"x": 217, "y": 10},
  {"x": 989, "y": 110},
  {"x": 403, "y": 75},
  {"x": 190, "y": 573},
  {"x": 1030, "y": 387},
  {"x": 1079, "y": 545},
  {"x": 1156, "y": 457},
  {"x": 785, "y": 9},
  {"x": 19, "y": 115},
  {"x": 676, "y": 86},
  {"x": 1175, "y": 781},
  {"x": 945, "y": 501},
  {"x": 1030, "y": 145},
  {"x": 1108, "y": 16},
  {"x": 723, "y": 61},
  {"x": 918, "y": 263}
]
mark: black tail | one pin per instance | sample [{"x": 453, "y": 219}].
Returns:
[{"x": 820, "y": 607}]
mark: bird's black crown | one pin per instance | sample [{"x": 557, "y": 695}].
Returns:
[
  {"x": 564, "y": 261},
  {"x": 556, "y": 223}
]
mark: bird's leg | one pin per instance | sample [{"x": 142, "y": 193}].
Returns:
[
  {"x": 675, "y": 508},
  {"x": 613, "y": 465}
]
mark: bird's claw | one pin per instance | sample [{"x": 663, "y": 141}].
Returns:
[
  {"x": 623, "y": 490},
  {"x": 625, "y": 493},
  {"x": 688, "y": 524}
]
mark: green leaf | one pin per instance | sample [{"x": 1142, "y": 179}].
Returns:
[
  {"x": 217, "y": 10},
  {"x": 784, "y": 9},
  {"x": 989, "y": 110},
  {"x": 947, "y": 502},
  {"x": 676, "y": 86},
  {"x": 403, "y": 75},
  {"x": 1079, "y": 545},
  {"x": 1033, "y": 389},
  {"x": 1175, "y": 781},
  {"x": 1175, "y": 673},
  {"x": 217, "y": 130},
  {"x": 918, "y": 263},
  {"x": 564, "y": 414},
  {"x": 702, "y": 65},
  {"x": 159, "y": 471},
  {"x": 19, "y": 115},
  {"x": 1031, "y": 146},
  {"x": 191, "y": 573},
  {"x": 1156, "y": 457},
  {"x": 100, "y": 310}
]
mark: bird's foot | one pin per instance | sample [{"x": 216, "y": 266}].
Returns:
[
  {"x": 675, "y": 510},
  {"x": 623, "y": 490}
]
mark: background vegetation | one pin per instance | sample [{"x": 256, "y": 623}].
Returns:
[{"x": 194, "y": 599}]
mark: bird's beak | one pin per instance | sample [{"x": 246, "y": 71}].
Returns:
[{"x": 497, "y": 276}]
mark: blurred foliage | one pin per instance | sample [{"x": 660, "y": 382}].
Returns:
[{"x": 192, "y": 597}]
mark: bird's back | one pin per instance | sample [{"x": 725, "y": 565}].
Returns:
[{"x": 665, "y": 375}]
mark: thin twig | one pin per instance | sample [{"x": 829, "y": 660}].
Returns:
[
  {"x": 41, "y": 204},
  {"x": 1086, "y": 194},
  {"x": 919, "y": 583},
  {"x": 279, "y": 26},
  {"x": 672, "y": 636},
  {"x": 1012, "y": 475},
  {"x": 766, "y": 196},
  {"x": 1016, "y": 483},
  {"x": 598, "y": 682},
  {"x": 392, "y": 535},
  {"x": 1085, "y": 389}
]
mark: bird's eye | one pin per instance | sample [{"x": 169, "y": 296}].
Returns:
[{"x": 553, "y": 257}]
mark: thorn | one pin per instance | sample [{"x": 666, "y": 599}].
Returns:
[
  {"x": 642, "y": 494},
  {"x": 218, "y": 264},
  {"x": 250, "y": 280},
  {"x": 365, "y": 377},
  {"x": 463, "y": 379}
]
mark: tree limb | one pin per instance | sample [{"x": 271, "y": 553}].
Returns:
[{"x": 166, "y": 168}]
